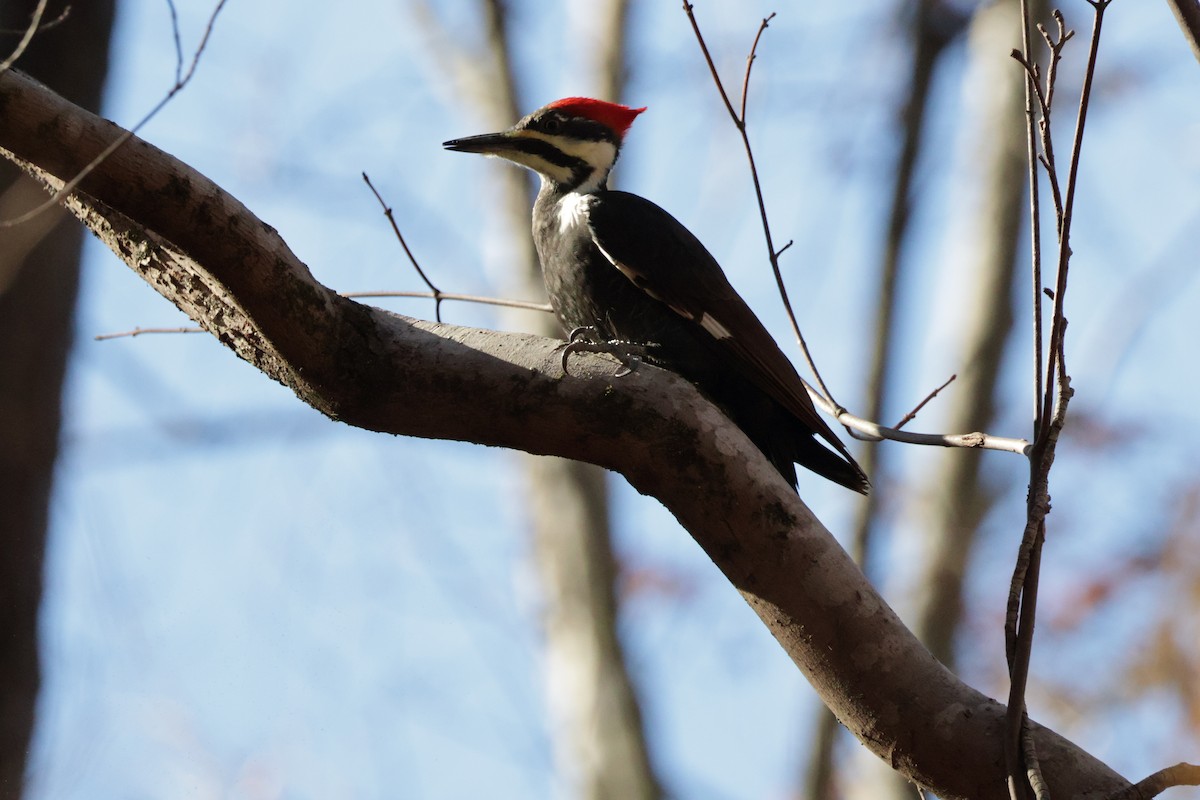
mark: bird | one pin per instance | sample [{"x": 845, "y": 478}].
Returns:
[{"x": 621, "y": 270}]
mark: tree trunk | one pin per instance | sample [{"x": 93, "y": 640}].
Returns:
[{"x": 39, "y": 278}]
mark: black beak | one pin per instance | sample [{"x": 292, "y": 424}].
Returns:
[{"x": 488, "y": 143}]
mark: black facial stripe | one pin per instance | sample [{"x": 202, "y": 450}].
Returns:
[{"x": 580, "y": 169}]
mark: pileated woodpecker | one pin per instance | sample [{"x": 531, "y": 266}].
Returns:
[{"x": 618, "y": 264}]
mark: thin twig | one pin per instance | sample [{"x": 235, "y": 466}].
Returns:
[
  {"x": 466, "y": 298},
  {"x": 1056, "y": 392},
  {"x": 34, "y": 21},
  {"x": 750, "y": 62},
  {"x": 712, "y": 68},
  {"x": 62, "y": 17},
  {"x": 907, "y": 418},
  {"x": 104, "y": 337},
  {"x": 125, "y": 136},
  {"x": 1181, "y": 774},
  {"x": 1056, "y": 46},
  {"x": 1057, "y": 325},
  {"x": 739, "y": 122},
  {"x": 178, "y": 41},
  {"x": 387, "y": 212},
  {"x": 1031, "y": 86}
]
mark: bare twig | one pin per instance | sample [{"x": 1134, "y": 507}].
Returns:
[
  {"x": 1055, "y": 397},
  {"x": 104, "y": 337},
  {"x": 750, "y": 63},
  {"x": 178, "y": 41},
  {"x": 1181, "y": 774},
  {"x": 466, "y": 298},
  {"x": 34, "y": 21},
  {"x": 180, "y": 83},
  {"x": 524, "y": 305},
  {"x": 739, "y": 122},
  {"x": 1055, "y": 46},
  {"x": 387, "y": 212},
  {"x": 1058, "y": 321},
  {"x": 712, "y": 67},
  {"x": 907, "y": 418},
  {"x": 62, "y": 17},
  {"x": 1032, "y": 86}
]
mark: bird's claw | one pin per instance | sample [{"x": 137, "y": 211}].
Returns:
[{"x": 588, "y": 340}]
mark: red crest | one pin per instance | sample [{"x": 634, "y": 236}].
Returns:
[{"x": 612, "y": 115}]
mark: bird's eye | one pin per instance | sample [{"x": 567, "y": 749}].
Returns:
[{"x": 551, "y": 124}]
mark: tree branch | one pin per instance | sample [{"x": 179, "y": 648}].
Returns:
[
  {"x": 1187, "y": 14},
  {"x": 206, "y": 253}
]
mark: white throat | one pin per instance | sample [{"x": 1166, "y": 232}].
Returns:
[{"x": 573, "y": 210}]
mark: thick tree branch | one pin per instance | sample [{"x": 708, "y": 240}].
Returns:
[
  {"x": 210, "y": 256},
  {"x": 1187, "y": 14}
]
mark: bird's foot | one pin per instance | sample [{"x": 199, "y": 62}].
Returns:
[{"x": 588, "y": 340}]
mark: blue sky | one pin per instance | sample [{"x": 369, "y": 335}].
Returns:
[{"x": 247, "y": 600}]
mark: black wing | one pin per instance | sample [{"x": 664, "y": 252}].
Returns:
[{"x": 664, "y": 259}]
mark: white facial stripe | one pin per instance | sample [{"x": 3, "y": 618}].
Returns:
[
  {"x": 599, "y": 156},
  {"x": 537, "y": 164}
]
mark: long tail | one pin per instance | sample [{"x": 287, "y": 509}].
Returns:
[{"x": 814, "y": 456}]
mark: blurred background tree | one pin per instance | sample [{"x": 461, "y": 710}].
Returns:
[{"x": 39, "y": 280}]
